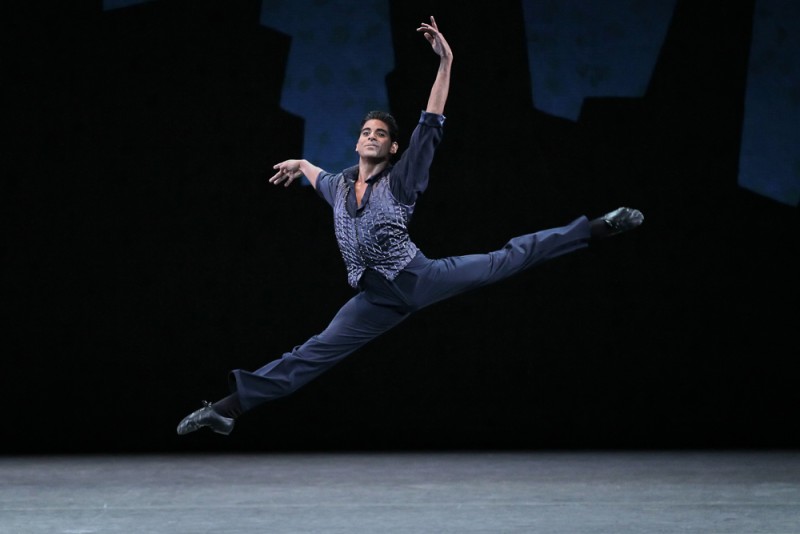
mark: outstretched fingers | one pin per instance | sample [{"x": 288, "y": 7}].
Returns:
[
  {"x": 435, "y": 38},
  {"x": 284, "y": 175},
  {"x": 430, "y": 30}
]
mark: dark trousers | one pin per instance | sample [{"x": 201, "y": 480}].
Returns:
[{"x": 381, "y": 304}]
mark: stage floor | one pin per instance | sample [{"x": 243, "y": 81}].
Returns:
[{"x": 439, "y": 492}]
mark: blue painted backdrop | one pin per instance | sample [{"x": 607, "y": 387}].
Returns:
[{"x": 575, "y": 50}]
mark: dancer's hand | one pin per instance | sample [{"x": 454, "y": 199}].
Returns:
[
  {"x": 435, "y": 38},
  {"x": 287, "y": 172}
]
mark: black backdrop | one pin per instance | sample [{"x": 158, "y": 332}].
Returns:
[{"x": 144, "y": 254}]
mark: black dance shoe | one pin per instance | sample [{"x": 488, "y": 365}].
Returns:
[
  {"x": 622, "y": 219},
  {"x": 205, "y": 416}
]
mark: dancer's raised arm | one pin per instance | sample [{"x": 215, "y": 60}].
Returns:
[{"x": 441, "y": 86}]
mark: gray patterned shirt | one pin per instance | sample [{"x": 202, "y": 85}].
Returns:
[{"x": 375, "y": 235}]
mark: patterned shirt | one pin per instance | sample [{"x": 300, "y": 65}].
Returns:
[{"x": 375, "y": 235}]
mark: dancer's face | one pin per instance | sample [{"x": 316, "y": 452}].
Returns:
[{"x": 374, "y": 141}]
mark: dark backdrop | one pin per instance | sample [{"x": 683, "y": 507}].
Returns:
[{"x": 144, "y": 254}]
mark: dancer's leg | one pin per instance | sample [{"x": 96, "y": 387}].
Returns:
[
  {"x": 357, "y": 322},
  {"x": 427, "y": 282}
]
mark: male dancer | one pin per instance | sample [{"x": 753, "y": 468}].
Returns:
[{"x": 372, "y": 204}]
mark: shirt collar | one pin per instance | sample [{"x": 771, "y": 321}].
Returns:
[{"x": 351, "y": 173}]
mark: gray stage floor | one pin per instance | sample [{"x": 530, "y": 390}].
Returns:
[{"x": 440, "y": 492}]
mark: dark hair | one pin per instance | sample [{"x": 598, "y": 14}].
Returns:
[{"x": 394, "y": 130}]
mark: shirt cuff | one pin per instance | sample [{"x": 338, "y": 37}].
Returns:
[{"x": 431, "y": 119}]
